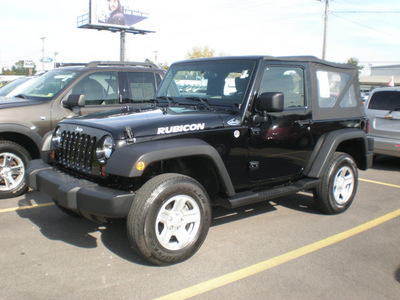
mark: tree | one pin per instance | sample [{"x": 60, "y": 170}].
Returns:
[
  {"x": 198, "y": 52},
  {"x": 18, "y": 69},
  {"x": 160, "y": 65},
  {"x": 5, "y": 71},
  {"x": 163, "y": 66},
  {"x": 355, "y": 61}
]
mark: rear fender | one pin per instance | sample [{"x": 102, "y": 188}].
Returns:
[{"x": 328, "y": 144}]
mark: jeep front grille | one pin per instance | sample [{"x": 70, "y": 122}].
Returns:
[{"x": 76, "y": 151}]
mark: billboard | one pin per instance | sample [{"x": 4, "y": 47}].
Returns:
[
  {"x": 29, "y": 64},
  {"x": 116, "y": 13}
]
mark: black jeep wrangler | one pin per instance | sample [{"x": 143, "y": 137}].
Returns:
[{"x": 221, "y": 131}]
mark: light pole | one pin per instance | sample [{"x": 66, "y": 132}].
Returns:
[
  {"x": 55, "y": 59},
  {"x": 43, "y": 38}
]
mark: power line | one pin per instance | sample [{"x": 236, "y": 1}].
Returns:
[
  {"x": 359, "y": 24},
  {"x": 327, "y": 12},
  {"x": 365, "y": 12}
]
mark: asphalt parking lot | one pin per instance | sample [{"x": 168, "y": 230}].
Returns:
[{"x": 282, "y": 249}]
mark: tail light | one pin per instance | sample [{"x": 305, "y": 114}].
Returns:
[{"x": 365, "y": 125}]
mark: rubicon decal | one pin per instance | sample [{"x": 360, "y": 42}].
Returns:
[{"x": 181, "y": 128}]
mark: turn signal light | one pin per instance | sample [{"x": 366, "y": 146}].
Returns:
[
  {"x": 140, "y": 166},
  {"x": 104, "y": 174}
]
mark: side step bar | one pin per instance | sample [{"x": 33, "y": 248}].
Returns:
[{"x": 244, "y": 198}]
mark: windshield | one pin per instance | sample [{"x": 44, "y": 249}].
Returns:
[
  {"x": 209, "y": 83},
  {"x": 44, "y": 87}
]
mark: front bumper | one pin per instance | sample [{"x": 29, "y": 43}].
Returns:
[{"x": 79, "y": 195}]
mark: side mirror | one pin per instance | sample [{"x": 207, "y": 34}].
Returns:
[
  {"x": 267, "y": 103},
  {"x": 270, "y": 102},
  {"x": 74, "y": 100}
]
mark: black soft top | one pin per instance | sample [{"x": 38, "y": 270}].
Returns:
[{"x": 310, "y": 59}]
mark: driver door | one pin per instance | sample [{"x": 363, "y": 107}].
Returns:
[{"x": 280, "y": 145}]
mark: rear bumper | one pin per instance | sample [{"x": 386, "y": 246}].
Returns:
[
  {"x": 79, "y": 195},
  {"x": 386, "y": 146},
  {"x": 370, "y": 153}
]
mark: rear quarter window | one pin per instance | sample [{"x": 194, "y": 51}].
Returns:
[{"x": 333, "y": 88}]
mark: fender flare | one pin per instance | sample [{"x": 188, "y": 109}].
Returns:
[
  {"x": 326, "y": 147},
  {"x": 23, "y": 130},
  {"x": 123, "y": 161}
]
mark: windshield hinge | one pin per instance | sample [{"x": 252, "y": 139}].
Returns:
[{"x": 129, "y": 135}]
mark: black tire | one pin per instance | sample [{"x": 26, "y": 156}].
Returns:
[
  {"x": 338, "y": 186},
  {"x": 169, "y": 219},
  {"x": 13, "y": 162}
]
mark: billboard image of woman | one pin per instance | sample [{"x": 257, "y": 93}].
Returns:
[
  {"x": 116, "y": 15},
  {"x": 114, "y": 12}
]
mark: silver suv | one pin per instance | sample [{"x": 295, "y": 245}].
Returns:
[
  {"x": 64, "y": 93},
  {"x": 383, "y": 111}
]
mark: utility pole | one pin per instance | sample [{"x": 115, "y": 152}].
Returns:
[
  {"x": 122, "y": 47},
  {"x": 43, "y": 38},
  {"x": 155, "y": 55},
  {"x": 325, "y": 28}
]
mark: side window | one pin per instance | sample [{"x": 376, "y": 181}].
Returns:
[
  {"x": 287, "y": 80},
  {"x": 141, "y": 86},
  {"x": 99, "y": 88},
  {"x": 158, "y": 79},
  {"x": 330, "y": 86}
]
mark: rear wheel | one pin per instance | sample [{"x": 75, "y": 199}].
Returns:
[
  {"x": 13, "y": 162},
  {"x": 169, "y": 219},
  {"x": 338, "y": 186}
]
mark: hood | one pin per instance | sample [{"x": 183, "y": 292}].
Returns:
[
  {"x": 155, "y": 121},
  {"x": 6, "y": 102}
]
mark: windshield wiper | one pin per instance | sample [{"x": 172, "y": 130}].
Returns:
[
  {"x": 202, "y": 100},
  {"x": 391, "y": 111},
  {"x": 234, "y": 107},
  {"x": 23, "y": 96},
  {"x": 169, "y": 99}
]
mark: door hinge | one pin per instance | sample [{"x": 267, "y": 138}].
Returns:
[
  {"x": 254, "y": 165},
  {"x": 255, "y": 131}
]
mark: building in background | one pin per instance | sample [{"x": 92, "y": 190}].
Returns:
[{"x": 380, "y": 76}]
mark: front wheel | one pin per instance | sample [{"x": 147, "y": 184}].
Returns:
[
  {"x": 338, "y": 185},
  {"x": 169, "y": 219},
  {"x": 13, "y": 162}
]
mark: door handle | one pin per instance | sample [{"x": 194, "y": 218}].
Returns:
[{"x": 303, "y": 123}]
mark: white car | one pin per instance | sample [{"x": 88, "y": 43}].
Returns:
[
  {"x": 383, "y": 111},
  {"x": 11, "y": 86}
]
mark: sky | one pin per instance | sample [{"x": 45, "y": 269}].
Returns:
[{"x": 367, "y": 30}]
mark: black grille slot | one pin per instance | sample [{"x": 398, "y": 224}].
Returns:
[{"x": 76, "y": 151}]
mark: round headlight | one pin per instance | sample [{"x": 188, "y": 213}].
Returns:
[
  {"x": 108, "y": 145},
  {"x": 56, "y": 139},
  {"x": 105, "y": 148}
]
